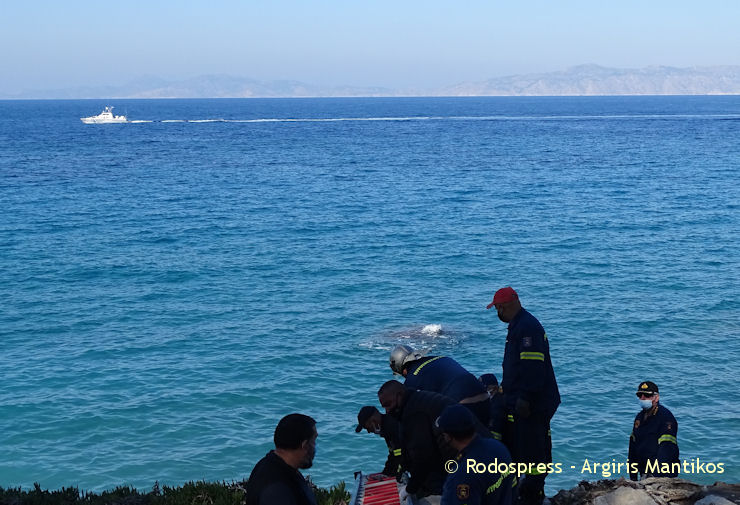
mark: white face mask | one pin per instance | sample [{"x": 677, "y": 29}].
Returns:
[{"x": 645, "y": 404}]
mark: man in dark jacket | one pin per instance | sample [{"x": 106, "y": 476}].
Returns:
[
  {"x": 653, "y": 450},
  {"x": 443, "y": 375},
  {"x": 370, "y": 419},
  {"x": 531, "y": 393},
  {"x": 275, "y": 479},
  {"x": 425, "y": 449}
]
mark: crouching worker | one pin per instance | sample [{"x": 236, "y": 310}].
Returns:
[
  {"x": 440, "y": 374},
  {"x": 466, "y": 484},
  {"x": 424, "y": 449},
  {"x": 275, "y": 479},
  {"x": 370, "y": 419}
]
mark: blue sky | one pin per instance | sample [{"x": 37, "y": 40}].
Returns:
[{"x": 54, "y": 44}]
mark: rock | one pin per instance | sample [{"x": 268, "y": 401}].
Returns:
[
  {"x": 730, "y": 492},
  {"x": 651, "y": 491},
  {"x": 713, "y": 499},
  {"x": 625, "y": 496},
  {"x": 665, "y": 490}
]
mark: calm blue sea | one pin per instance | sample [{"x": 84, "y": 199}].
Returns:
[{"x": 170, "y": 288}]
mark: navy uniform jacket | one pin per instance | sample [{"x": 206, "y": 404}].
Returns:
[
  {"x": 528, "y": 372},
  {"x": 390, "y": 430},
  {"x": 485, "y": 488},
  {"x": 654, "y": 438},
  {"x": 274, "y": 482},
  {"x": 443, "y": 375}
]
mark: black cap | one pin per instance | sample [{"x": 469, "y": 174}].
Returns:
[
  {"x": 364, "y": 415},
  {"x": 647, "y": 387},
  {"x": 488, "y": 379},
  {"x": 455, "y": 418}
]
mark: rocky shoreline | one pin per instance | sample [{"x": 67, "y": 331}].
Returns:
[{"x": 651, "y": 491}]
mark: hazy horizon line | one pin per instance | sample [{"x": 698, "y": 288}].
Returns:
[{"x": 588, "y": 79}]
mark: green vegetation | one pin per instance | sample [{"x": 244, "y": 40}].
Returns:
[
  {"x": 335, "y": 495},
  {"x": 191, "y": 493}
]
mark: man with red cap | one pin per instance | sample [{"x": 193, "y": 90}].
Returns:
[{"x": 530, "y": 391}]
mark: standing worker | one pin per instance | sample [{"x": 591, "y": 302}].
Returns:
[
  {"x": 653, "y": 447},
  {"x": 531, "y": 394}
]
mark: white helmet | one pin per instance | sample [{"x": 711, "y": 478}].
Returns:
[{"x": 402, "y": 354}]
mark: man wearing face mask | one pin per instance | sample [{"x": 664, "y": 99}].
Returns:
[
  {"x": 275, "y": 479},
  {"x": 370, "y": 419},
  {"x": 653, "y": 444},
  {"x": 530, "y": 390}
]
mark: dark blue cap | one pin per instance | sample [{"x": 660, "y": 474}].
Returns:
[
  {"x": 488, "y": 379},
  {"x": 456, "y": 418}
]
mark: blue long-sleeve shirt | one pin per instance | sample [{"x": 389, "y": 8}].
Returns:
[{"x": 443, "y": 375}]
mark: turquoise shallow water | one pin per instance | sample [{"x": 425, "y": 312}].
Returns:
[{"x": 171, "y": 289}]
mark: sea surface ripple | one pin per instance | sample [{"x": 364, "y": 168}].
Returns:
[{"x": 172, "y": 286}]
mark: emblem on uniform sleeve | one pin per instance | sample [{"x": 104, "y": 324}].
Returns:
[
  {"x": 637, "y": 423},
  {"x": 669, "y": 426},
  {"x": 527, "y": 342},
  {"x": 463, "y": 491}
]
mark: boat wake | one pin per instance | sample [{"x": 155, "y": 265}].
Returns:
[{"x": 450, "y": 118}]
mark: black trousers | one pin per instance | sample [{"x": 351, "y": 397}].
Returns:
[{"x": 528, "y": 440}]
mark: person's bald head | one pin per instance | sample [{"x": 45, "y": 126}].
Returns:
[{"x": 391, "y": 396}]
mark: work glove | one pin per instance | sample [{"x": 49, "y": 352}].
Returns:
[
  {"x": 522, "y": 408},
  {"x": 403, "y": 495}
]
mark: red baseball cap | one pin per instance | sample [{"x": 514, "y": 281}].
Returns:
[{"x": 503, "y": 295}]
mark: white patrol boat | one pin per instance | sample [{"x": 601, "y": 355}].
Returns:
[{"x": 104, "y": 117}]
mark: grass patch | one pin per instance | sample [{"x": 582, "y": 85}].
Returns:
[{"x": 190, "y": 493}]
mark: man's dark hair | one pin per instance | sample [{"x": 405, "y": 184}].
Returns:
[
  {"x": 293, "y": 430},
  {"x": 392, "y": 387}
]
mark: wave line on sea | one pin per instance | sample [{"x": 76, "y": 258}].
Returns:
[{"x": 448, "y": 118}]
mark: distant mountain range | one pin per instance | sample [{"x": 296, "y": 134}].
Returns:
[
  {"x": 582, "y": 80},
  {"x": 587, "y": 80}
]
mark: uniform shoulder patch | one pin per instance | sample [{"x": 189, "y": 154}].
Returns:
[
  {"x": 463, "y": 491},
  {"x": 637, "y": 423},
  {"x": 669, "y": 426},
  {"x": 527, "y": 342}
]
